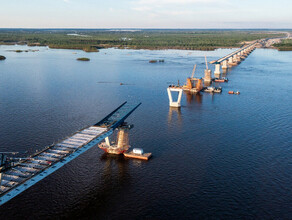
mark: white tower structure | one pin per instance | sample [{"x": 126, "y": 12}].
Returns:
[{"x": 171, "y": 102}]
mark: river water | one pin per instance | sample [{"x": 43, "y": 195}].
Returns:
[{"x": 219, "y": 156}]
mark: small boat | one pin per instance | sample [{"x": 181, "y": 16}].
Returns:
[
  {"x": 209, "y": 89},
  {"x": 223, "y": 79},
  {"x": 212, "y": 89},
  {"x": 218, "y": 90},
  {"x": 232, "y": 92}
]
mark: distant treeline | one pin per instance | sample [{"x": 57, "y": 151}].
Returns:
[{"x": 92, "y": 40}]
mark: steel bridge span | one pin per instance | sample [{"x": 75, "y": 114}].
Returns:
[{"x": 21, "y": 176}]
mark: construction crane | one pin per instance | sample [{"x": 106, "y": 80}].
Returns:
[
  {"x": 206, "y": 62},
  {"x": 194, "y": 69}
]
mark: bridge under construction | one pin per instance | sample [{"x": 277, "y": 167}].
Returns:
[
  {"x": 226, "y": 62},
  {"x": 16, "y": 178}
]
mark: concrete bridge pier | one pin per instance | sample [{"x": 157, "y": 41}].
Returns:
[
  {"x": 248, "y": 50},
  {"x": 224, "y": 65},
  {"x": 217, "y": 69},
  {"x": 242, "y": 56},
  {"x": 245, "y": 52},
  {"x": 208, "y": 75},
  {"x": 235, "y": 60},
  {"x": 238, "y": 57},
  {"x": 230, "y": 61},
  {"x": 171, "y": 102}
]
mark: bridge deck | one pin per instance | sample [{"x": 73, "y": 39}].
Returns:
[
  {"x": 25, "y": 174},
  {"x": 232, "y": 54}
]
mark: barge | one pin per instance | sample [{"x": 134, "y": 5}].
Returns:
[
  {"x": 221, "y": 80},
  {"x": 141, "y": 156}
]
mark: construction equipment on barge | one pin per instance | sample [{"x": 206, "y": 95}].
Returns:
[
  {"x": 122, "y": 143},
  {"x": 193, "y": 85},
  {"x": 17, "y": 177}
]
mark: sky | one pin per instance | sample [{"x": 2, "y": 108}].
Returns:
[{"x": 146, "y": 14}]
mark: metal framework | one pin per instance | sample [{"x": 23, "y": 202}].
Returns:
[{"x": 16, "y": 179}]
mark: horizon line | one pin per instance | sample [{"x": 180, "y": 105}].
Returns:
[{"x": 75, "y": 28}]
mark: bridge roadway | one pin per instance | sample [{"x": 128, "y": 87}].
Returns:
[
  {"x": 234, "y": 58},
  {"x": 247, "y": 47},
  {"x": 16, "y": 179}
]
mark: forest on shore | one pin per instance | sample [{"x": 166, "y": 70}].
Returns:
[{"x": 90, "y": 40}]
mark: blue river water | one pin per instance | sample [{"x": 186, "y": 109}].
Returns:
[{"x": 220, "y": 156}]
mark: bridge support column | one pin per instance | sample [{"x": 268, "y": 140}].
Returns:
[
  {"x": 230, "y": 60},
  {"x": 235, "y": 60},
  {"x": 224, "y": 65},
  {"x": 208, "y": 76},
  {"x": 217, "y": 69},
  {"x": 242, "y": 56},
  {"x": 123, "y": 139},
  {"x": 171, "y": 102}
]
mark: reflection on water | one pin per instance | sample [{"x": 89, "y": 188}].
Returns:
[
  {"x": 193, "y": 97},
  {"x": 113, "y": 162},
  {"x": 174, "y": 111},
  {"x": 207, "y": 83}
]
